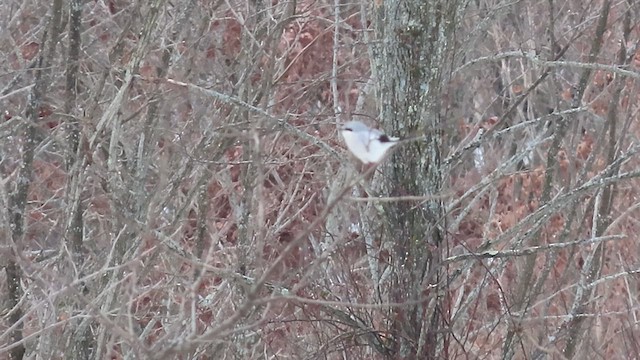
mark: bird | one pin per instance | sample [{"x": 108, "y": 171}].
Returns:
[{"x": 367, "y": 144}]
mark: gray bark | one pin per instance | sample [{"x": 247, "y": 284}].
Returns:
[{"x": 413, "y": 57}]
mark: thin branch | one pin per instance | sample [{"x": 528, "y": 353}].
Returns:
[
  {"x": 535, "y": 59},
  {"x": 530, "y": 250},
  {"x": 228, "y": 99}
]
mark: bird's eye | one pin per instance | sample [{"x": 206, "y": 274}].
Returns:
[
  {"x": 384, "y": 138},
  {"x": 348, "y": 129}
]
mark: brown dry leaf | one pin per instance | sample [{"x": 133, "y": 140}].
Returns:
[
  {"x": 30, "y": 50},
  {"x": 517, "y": 89}
]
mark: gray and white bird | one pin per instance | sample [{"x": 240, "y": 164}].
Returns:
[{"x": 367, "y": 144}]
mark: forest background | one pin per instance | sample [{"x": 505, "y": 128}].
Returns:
[{"x": 173, "y": 183}]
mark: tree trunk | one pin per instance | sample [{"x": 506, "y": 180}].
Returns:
[{"x": 412, "y": 56}]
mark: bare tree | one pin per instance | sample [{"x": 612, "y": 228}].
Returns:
[
  {"x": 174, "y": 186},
  {"x": 412, "y": 61}
]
